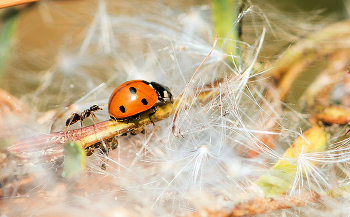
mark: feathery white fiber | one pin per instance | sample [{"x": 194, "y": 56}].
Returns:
[{"x": 206, "y": 164}]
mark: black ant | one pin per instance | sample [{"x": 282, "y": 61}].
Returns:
[{"x": 75, "y": 117}]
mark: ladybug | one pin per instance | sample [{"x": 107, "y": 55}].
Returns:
[{"x": 133, "y": 97}]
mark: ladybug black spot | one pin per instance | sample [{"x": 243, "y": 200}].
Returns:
[
  {"x": 144, "y": 101},
  {"x": 122, "y": 109},
  {"x": 132, "y": 90}
]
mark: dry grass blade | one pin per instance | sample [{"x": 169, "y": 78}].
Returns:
[{"x": 9, "y": 3}]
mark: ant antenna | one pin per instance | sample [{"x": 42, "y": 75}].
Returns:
[{"x": 189, "y": 83}]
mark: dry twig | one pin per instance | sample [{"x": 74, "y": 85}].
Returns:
[{"x": 265, "y": 205}]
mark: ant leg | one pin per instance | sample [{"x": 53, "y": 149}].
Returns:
[
  {"x": 91, "y": 111},
  {"x": 150, "y": 114},
  {"x": 81, "y": 125},
  {"x": 93, "y": 116},
  {"x": 66, "y": 130}
]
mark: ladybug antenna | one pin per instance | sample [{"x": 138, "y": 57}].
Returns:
[{"x": 189, "y": 83}]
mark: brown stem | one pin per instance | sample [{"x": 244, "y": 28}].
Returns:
[
  {"x": 50, "y": 146},
  {"x": 265, "y": 205}
]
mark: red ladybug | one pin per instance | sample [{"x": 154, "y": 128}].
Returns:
[{"x": 133, "y": 97}]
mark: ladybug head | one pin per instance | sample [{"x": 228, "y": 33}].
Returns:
[{"x": 162, "y": 91}]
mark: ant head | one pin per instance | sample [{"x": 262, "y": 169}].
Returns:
[{"x": 95, "y": 108}]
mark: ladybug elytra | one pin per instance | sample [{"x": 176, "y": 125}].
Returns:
[{"x": 133, "y": 97}]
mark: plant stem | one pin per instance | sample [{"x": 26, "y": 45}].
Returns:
[
  {"x": 49, "y": 147},
  {"x": 224, "y": 14},
  {"x": 264, "y": 205},
  {"x": 306, "y": 52}
]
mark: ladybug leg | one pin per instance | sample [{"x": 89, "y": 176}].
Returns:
[
  {"x": 137, "y": 116},
  {"x": 152, "y": 113}
]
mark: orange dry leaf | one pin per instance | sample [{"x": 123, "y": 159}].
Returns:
[{"x": 334, "y": 115}]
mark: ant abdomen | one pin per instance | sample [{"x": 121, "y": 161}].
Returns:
[{"x": 72, "y": 119}]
